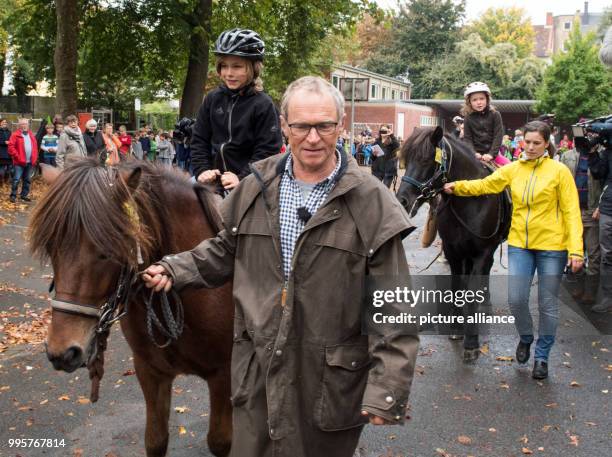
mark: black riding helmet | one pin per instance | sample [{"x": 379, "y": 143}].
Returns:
[{"x": 241, "y": 43}]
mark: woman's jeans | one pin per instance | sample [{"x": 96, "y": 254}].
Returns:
[{"x": 523, "y": 263}]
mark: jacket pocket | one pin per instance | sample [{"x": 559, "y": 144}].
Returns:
[
  {"x": 345, "y": 374},
  {"x": 243, "y": 358}
]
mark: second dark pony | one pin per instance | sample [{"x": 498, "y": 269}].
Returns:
[{"x": 471, "y": 229}]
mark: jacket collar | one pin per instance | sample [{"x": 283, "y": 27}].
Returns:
[
  {"x": 247, "y": 91},
  {"x": 268, "y": 170}
]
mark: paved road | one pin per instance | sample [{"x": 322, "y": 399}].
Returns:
[{"x": 491, "y": 408}]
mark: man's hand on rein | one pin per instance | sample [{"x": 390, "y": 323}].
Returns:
[{"x": 158, "y": 278}]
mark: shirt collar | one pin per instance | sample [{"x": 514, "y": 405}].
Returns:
[{"x": 330, "y": 178}]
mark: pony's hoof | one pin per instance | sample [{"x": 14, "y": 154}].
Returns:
[{"x": 470, "y": 355}]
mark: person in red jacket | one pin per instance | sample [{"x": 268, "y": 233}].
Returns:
[
  {"x": 23, "y": 149},
  {"x": 126, "y": 143}
]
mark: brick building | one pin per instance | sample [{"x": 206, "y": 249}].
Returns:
[{"x": 550, "y": 37}]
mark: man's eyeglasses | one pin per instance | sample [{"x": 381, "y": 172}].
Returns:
[{"x": 323, "y": 129}]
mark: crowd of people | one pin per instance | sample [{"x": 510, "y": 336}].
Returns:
[{"x": 61, "y": 141}]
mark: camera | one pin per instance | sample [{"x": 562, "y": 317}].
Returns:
[
  {"x": 594, "y": 132},
  {"x": 183, "y": 129}
]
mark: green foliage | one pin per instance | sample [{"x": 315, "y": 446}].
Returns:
[
  {"x": 139, "y": 48},
  {"x": 423, "y": 30},
  {"x": 498, "y": 65},
  {"x": 505, "y": 25},
  {"x": 605, "y": 23},
  {"x": 576, "y": 84}
]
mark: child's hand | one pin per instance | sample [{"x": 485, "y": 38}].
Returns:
[
  {"x": 229, "y": 180},
  {"x": 487, "y": 157},
  {"x": 478, "y": 156}
]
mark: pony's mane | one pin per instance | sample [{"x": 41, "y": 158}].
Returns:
[{"x": 93, "y": 201}]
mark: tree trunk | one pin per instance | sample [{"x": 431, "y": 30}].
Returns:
[
  {"x": 197, "y": 70},
  {"x": 66, "y": 56},
  {"x": 2, "y": 67}
]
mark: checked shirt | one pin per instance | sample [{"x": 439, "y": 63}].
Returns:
[{"x": 291, "y": 198}]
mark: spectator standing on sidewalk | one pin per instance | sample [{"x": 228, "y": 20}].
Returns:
[
  {"x": 6, "y": 163},
  {"x": 589, "y": 192},
  {"x": 23, "y": 149}
]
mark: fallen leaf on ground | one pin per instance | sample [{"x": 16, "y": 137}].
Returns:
[
  {"x": 181, "y": 409},
  {"x": 129, "y": 373},
  {"x": 524, "y": 439},
  {"x": 492, "y": 430},
  {"x": 574, "y": 384},
  {"x": 574, "y": 440},
  {"x": 526, "y": 450},
  {"x": 182, "y": 430},
  {"x": 64, "y": 398},
  {"x": 465, "y": 440},
  {"x": 504, "y": 358}
]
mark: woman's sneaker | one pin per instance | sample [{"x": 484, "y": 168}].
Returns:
[{"x": 522, "y": 352}]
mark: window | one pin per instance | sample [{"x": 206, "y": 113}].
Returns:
[
  {"x": 429, "y": 121},
  {"x": 402, "y": 96},
  {"x": 374, "y": 91},
  {"x": 567, "y": 25},
  {"x": 336, "y": 81},
  {"x": 384, "y": 93},
  {"x": 393, "y": 94}
]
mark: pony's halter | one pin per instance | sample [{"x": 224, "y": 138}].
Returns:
[
  {"x": 434, "y": 185},
  {"x": 115, "y": 307}
]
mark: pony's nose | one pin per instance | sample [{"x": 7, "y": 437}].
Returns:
[{"x": 69, "y": 361}]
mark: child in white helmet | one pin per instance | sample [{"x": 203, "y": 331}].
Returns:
[{"x": 483, "y": 129}]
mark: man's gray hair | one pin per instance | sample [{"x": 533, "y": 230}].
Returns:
[{"x": 316, "y": 85}]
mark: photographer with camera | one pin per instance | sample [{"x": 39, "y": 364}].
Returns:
[
  {"x": 598, "y": 134},
  {"x": 238, "y": 123}
]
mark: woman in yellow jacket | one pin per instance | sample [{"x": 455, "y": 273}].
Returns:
[{"x": 546, "y": 230}]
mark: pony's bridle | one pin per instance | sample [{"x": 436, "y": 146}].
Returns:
[
  {"x": 115, "y": 307},
  {"x": 434, "y": 185}
]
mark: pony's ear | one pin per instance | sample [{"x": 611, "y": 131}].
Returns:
[
  {"x": 436, "y": 135},
  {"x": 132, "y": 178},
  {"x": 49, "y": 173}
]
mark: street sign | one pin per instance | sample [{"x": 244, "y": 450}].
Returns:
[
  {"x": 136, "y": 104},
  {"x": 361, "y": 89}
]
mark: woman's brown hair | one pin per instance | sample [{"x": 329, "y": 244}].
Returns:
[{"x": 544, "y": 130}]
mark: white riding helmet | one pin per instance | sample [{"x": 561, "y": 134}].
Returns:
[
  {"x": 457, "y": 119},
  {"x": 474, "y": 87}
]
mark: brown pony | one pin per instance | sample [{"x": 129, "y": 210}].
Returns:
[{"x": 99, "y": 226}]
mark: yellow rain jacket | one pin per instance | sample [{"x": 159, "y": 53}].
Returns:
[{"x": 546, "y": 211}]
